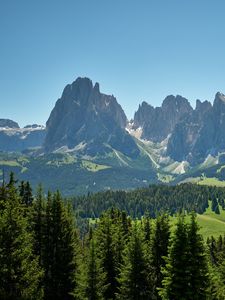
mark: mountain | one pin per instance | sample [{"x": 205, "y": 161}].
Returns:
[
  {"x": 89, "y": 145},
  {"x": 6, "y": 123},
  {"x": 157, "y": 123},
  {"x": 14, "y": 138},
  {"x": 88, "y": 122},
  {"x": 199, "y": 134}
]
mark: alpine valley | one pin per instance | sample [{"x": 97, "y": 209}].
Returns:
[{"x": 88, "y": 144}]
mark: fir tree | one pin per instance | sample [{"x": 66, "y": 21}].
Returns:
[
  {"x": 157, "y": 251},
  {"x": 38, "y": 221},
  {"x": 107, "y": 257},
  {"x": 197, "y": 264},
  {"x": 175, "y": 285},
  {"x": 147, "y": 229},
  {"x": 92, "y": 279},
  {"x": 217, "y": 209},
  {"x": 133, "y": 276},
  {"x": 62, "y": 246},
  {"x": 20, "y": 274}
]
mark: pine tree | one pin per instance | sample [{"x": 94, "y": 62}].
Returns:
[
  {"x": 61, "y": 249},
  {"x": 212, "y": 250},
  {"x": 28, "y": 196},
  {"x": 133, "y": 276},
  {"x": 219, "y": 281},
  {"x": 20, "y": 274},
  {"x": 175, "y": 285},
  {"x": 217, "y": 209},
  {"x": 112, "y": 233},
  {"x": 157, "y": 251},
  {"x": 48, "y": 246},
  {"x": 147, "y": 229},
  {"x": 106, "y": 250},
  {"x": 197, "y": 264},
  {"x": 92, "y": 279},
  {"x": 38, "y": 221}
]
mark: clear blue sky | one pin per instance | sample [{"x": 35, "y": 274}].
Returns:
[{"x": 137, "y": 50}]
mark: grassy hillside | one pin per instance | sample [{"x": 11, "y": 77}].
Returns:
[
  {"x": 211, "y": 224},
  {"x": 73, "y": 175}
]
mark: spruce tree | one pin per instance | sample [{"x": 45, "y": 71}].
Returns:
[
  {"x": 133, "y": 273},
  {"x": 106, "y": 252},
  {"x": 175, "y": 284},
  {"x": 197, "y": 264},
  {"x": 20, "y": 274},
  {"x": 147, "y": 229},
  {"x": 158, "y": 249},
  {"x": 91, "y": 279},
  {"x": 38, "y": 222},
  {"x": 112, "y": 233},
  {"x": 61, "y": 250}
]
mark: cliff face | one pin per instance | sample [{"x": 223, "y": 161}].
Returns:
[
  {"x": 88, "y": 121},
  {"x": 181, "y": 144},
  {"x": 14, "y": 138},
  {"x": 157, "y": 123},
  {"x": 201, "y": 134}
]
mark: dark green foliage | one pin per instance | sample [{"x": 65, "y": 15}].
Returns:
[
  {"x": 38, "y": 221},
  {"x": 215, "y": 205},
  {"x": 186, "y": 272},
  {"x": 158, "y": 249},
  {"x": 20, "y": 273},
  {"x": 153, "y": 200},
  {"x": 176, "y": 277},
  {"x": 197, "y": 268},
  {"x": 43, "y": 257},
  {"x": 92, "y": 279},
  {"x": 217, "y": 209},
  {"x": 147, "y": 229},
  {"x": 133, "y": 277},
  {"x": 60, "y": 250},
  {"x": 25, "y": 191},
  {"x": 111, "y": 237},
  {"x": 216, "y": 250}
]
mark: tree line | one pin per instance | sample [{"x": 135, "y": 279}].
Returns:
[
  {"x": 155, "y": 199},
  {"x": 44, "y": 256}
]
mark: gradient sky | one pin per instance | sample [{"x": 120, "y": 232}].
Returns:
[{"x": 136, "y": 49}]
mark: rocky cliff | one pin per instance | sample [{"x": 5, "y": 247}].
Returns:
[
  {"x": 88, "y": 122},
  {"x": 157, "y": 123},
  {"x": 16, "y": 139},
  {"x": 201, "y": 133}
]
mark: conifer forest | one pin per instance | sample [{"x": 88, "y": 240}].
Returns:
[{"x": 49, "y": 248}]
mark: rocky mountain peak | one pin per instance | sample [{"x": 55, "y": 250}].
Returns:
[
  {"x": 176, "y": 103},
  {"x": 157, "y": 123},
  {"x": 143, "y": 113},
  {"x": 83, "y": 115},
  {"x": 97, "y": 87},
  {"x": 219, "y": 102},
  {"x": 7, "y": 123},
  {"x": 202, "y": 106}
]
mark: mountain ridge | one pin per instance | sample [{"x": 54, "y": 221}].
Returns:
[{"x": 93, "y": 130}]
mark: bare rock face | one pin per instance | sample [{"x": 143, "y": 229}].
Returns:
[
  {"x": 187, "y": 132},
  {"x": 16, "y": 139},
  {"x": 200, "y": 134},
  {"x": 6, "y": 123},
  {"x": 85, "y": 119},
  {"x": 157, "y": 123}
]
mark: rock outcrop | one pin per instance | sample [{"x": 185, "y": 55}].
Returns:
[
  {"x": 6, "y": 123},
  {"x": 201, "y": 133},
  {"x": 88, "y": 122},
  {"x": 157, "y": 123},
  {"x": 16, "y": 139}
]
